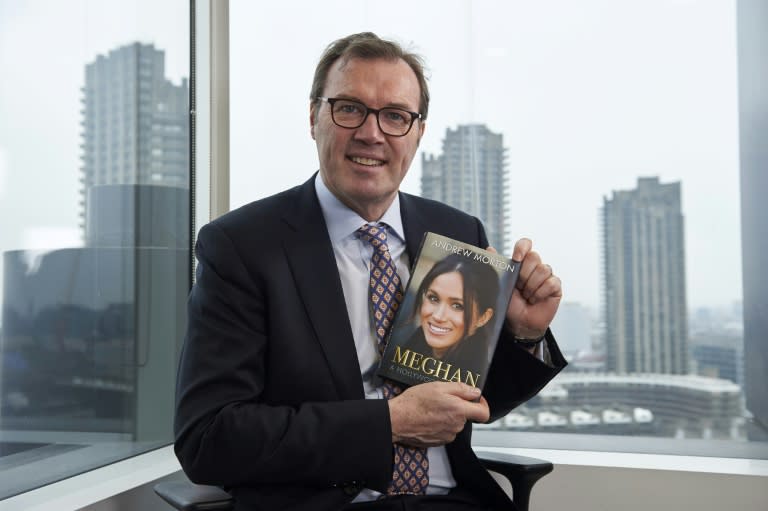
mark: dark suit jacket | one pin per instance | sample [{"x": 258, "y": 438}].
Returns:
[{"x": 270, "y": 401}]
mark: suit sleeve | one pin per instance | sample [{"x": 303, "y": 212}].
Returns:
[
  {"x": 515, "y": 375},
  {"x": 226, "y": 432}
]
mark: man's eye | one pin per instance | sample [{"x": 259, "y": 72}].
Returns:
[
  {"x": 396, "y": 117},
  {"x": 349, "y": 108}
]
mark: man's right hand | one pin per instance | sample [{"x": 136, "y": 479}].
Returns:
[{"x": 432, "y": 414}]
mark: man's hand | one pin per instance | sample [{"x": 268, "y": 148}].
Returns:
[
  {"x": 537, "y": 293},
  {"x": 432, "y": 414}
]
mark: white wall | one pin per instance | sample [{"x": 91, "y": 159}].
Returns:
[{"x": 587, "y": 488}]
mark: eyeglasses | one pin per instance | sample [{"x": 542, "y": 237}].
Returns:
[{"x": 350, "y": 114}]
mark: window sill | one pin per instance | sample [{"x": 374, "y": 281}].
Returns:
[
  {"x": 667, "y": 462},
  {"x": 96, "y": 485},
  {"x": 106, "y": 482}
]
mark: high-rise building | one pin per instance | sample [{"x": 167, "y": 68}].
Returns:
[
  {"x": 644, "y": 280},
  {"x": 135, "y": 123},
  {"x": 753, "y": 158},
  {"x": 471, "y": 175},
  {"x": 103, "y": 352}
]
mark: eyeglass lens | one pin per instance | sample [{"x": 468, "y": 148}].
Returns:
[{"x": 352, "y": 114}]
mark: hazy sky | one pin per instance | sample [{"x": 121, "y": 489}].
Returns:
[
  {"x": 44, "y": 47},
  {"x": 588, "y": 94}
]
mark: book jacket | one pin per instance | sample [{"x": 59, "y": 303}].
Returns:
[{"x": 454, "y": 307}]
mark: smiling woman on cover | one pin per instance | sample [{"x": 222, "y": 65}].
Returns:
[{"x": 454, "y": 304}]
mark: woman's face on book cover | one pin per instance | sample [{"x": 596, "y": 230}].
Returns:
[{"x": 442, "y": 313}]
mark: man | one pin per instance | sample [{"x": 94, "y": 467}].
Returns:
[{"x": 277, "y": 400}]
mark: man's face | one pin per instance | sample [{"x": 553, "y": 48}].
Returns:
[{"x": 363, "y": 167}]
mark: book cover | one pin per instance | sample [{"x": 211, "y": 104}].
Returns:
[{"x": 454, "y": 307}]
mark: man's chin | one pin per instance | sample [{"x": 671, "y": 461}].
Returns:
[{"x": 376, "y": 194}]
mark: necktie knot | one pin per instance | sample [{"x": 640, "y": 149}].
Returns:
[{"x": 375, "y": 235}]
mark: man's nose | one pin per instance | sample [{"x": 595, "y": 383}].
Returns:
[{"x": 369, "y": 131}]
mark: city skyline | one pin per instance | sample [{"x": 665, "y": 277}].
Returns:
[
  {"x": 455, "y": 147},
  {"x": 588, "y": 97},
  {"x": 79, "y": 314},
  {"x": 579, "y": 118},
  {"x": 585, "y": 106}
]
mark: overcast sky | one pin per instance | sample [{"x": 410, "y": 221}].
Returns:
[{"x": 588, "y": 94}]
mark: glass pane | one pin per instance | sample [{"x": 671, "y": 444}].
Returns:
[
  {"x": 94, "y": 231},
  {"x": 612, "y": 129}
]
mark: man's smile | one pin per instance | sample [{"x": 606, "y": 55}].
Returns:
[{"x": 368, "y": 162}]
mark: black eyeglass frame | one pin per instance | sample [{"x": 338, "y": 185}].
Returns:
[{"x": 369, "y": 111}]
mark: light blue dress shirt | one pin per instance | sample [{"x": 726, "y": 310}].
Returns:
[{"x": 353, "y": 258}]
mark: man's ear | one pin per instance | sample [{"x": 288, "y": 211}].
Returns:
[
  {"x": 422, "y": 127},
  {"x": 312, "y": 119}
]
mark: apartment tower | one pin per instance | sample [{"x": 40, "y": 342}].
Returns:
[
  {"x": 644, "y": 280},
  {"x": 135, "y": 123},
  {"x": 471, "y": 175}
]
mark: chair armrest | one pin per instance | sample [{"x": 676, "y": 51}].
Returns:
[
  {"x": 188, "y": 496},
  {"x": 521, "y": 471}
]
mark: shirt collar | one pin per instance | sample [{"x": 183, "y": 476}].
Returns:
[{"x": 342, "y": 222}]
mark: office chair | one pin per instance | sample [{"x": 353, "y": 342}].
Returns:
[{"x": 522, "y": 473}]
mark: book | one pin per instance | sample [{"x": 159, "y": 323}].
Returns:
[{"x": 454, "y": 307}]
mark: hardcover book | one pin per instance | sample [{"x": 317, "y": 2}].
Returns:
[{"x": 448, "y": 324}]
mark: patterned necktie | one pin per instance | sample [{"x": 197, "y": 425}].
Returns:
[{"x": 410, "y": 464}]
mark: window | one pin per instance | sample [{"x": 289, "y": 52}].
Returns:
[
  {"x": 612, "y": 144},
  {"x": 94, "y": 247}
]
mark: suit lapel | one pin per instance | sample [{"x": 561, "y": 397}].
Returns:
[
  {"x": 310, "y": 255},
  {"x": 414, "y": 226}
]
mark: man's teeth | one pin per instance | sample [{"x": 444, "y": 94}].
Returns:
[{"x": 366, "y": 161}]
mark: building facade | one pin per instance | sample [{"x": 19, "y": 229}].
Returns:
[
  {"x": 644, "y": 280},
  {"x": 677, "y": 406},
  {"x": 96, "y": 350},
  {"x": 471, "y": 175},
  {"x": 135, "y": 123},
  {"x": 753, "y": 158}
]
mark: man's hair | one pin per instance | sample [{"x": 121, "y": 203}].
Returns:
[{"x": 368, "y": 46}]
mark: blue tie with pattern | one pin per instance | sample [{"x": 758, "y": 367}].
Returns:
[{"x": 410, "y": 464}]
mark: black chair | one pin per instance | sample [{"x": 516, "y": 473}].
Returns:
[{"x": 522, "y": 473}]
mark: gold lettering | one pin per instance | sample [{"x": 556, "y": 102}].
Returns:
[
  {"x": 472, "y": 380},
  {"x": 424, "y": 368},
  {"x": 400, "y": 358},
  {"x": 415, "y": 360},
  {"x": 445, "y": 370},
  {"x": 456, "y": 376}
]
